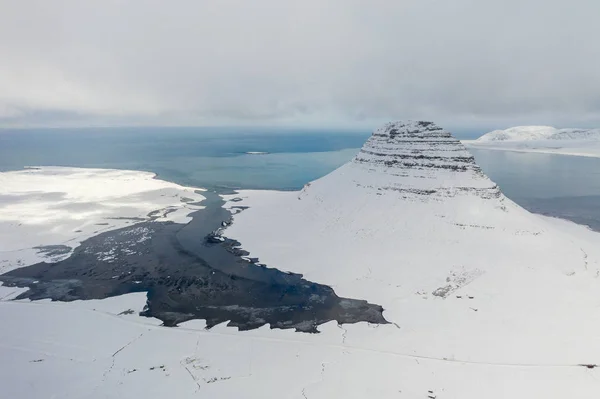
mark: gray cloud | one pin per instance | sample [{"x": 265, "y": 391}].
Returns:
[{"x": 464, "y": 63}]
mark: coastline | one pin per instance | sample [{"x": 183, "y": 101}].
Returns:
[
  {"x": 46, "y": 207},
  {"x": 188, "y": 269},
  {"x": 573, "y": 151},
  {"x": 182, "y": 361}
]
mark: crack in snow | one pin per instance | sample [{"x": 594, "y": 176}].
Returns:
[
  {"x": 321, "y": 379},
  {"x": 344, "y": 333},
  {"x": 193, "y": 378},
  {"x": 125, "y": 346},
  {"x": 113, "y": 356},
  {"x": 197, "y": 344},
  {"x": 585, "y": 258}
]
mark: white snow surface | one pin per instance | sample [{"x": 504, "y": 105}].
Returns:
[
  {"x": 528, "y": 133},
  {"x": 541, "y": 139},
  {"x": 64, "y": 206},
  {"x": 466, "y": 273},
  {"x": 485, "y": 299},
  {"x": 87, "y": 350}
]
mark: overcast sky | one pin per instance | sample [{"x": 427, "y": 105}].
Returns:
[{"x": 461, "y": 63}]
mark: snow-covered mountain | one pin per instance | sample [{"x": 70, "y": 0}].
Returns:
[
  {"x": 414, "y": 225},
  {"x": 528, "y": 133},
  {"x": 417, "y": 159},
  {"x": 541, "y": 139},
  {"x": 484, "y": 299}
]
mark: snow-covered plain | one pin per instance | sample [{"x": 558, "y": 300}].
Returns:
[
  {"x": 485, "y": 299},
  {"x": 50, "y": 206},
  {"x": 87, "y": 350},
  {"x": 541, "y": 139}
]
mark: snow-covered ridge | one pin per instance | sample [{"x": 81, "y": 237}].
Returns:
[
  {"x": 414, "y": 225},
  {"x": 529, "y": 133},
  {"x": 419, "y": 158},
  {"x": 541, "y": 139}
]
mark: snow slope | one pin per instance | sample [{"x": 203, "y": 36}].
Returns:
[
  {"x": 541, "y": 139},
  {"x": 83, "y": 350},
  {"x": 52, "y": 206},
  {"x": 414, "y": 225},
  {"x": 485, "y": 299}
]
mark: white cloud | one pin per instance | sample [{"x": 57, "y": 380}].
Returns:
[{"x": 463, "y": 63}]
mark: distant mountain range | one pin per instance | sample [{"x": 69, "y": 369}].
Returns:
[{"x": 528, "y": 133}]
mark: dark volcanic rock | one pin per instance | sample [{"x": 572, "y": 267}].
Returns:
[{"x": 189, "y": 274}]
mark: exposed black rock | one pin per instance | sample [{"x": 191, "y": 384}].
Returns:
[{"x": 190, "y": 272}]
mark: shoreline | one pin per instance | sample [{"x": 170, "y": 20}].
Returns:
[
  {"x": 56, "y": 205},
  {"x": 550, "y": 151},
  {"x": 475, "y": 313},
  {"x": 226, "y": 202}
]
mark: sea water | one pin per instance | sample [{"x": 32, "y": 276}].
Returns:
[
  {"x": 556, "y": 185},
  {"x": 564, "y": 186},
  {"x": 201, "y": 157}
]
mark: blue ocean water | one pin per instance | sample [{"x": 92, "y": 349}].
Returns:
[
  {"x": 203, "y": 157},
  {"x": 554, "y": 185},
  {"x": 557, "y": 185}
]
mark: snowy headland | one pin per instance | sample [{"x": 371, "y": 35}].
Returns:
[
  {"x": 541, "y": 139},
  {"x": 483, "y": 298},
  {"x": 45, "y": 212}
]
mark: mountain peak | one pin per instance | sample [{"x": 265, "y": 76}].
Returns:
[
  {"x": 415, "y": 145},
  {"x": 418, "y": 158},
  {"x": 413, "y": 225},
  {"x": 394, "y": 129}
]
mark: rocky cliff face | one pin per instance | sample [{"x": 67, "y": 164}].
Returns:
[
  {"x": 415, "y": 145},
  {"x": 421, "y": 158}
]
